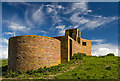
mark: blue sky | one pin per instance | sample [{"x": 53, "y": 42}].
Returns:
[{"x": 97, "y": 21}]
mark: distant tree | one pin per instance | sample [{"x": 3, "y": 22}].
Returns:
[{"x": 110, "y": 54}]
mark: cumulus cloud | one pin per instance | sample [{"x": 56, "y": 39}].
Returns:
[
  {"x": 101, "y": 48},
  {"x": 104, "y": 49}
]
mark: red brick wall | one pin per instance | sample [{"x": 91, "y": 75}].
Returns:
[{"x": 32, "y": 52}]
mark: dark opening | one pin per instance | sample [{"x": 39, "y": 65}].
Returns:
[
  {"x": 70, "y": 34},
  {"x": 23, "y": 57},
  {"x": 84, "y": 43},
  {"x": 39, "y": 57},
  {"x": 75, "y": 37},
  {"x": 79, "y": 40},
  {"x": 24, "y": 41},
  {"x": 70, "y": 48},
  {"x": 17, "y": 58}
]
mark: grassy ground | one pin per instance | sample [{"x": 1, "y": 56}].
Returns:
[
  {"x": 80, "y": 67},
  {"x": 4, "y": 62},
  {"x": 93, "y": 68}
]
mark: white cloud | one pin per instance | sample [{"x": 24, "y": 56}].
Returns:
[
  {"x": 17, "y": 27},
  {"x": 4, "y": 40},
  {"x": 104, "y": 49},
  {"x": 54, "y": 11},
  {"x": 82, "y": 6},
  {"x": 97, "y": 16},
  {"x": 43, "y": 31},
  {"x": 9, "y": 33},
  {"x": 77, "y": 7},
  {"x": 59, "y": 6},
  {"x": 89, "y": 11},
  {"x": 75, "y": 19},
  {"x": 50, "y": 6},
  {"x": 3, "y": 48},
  {"x": 99, "y": 22},
  {"x": 91, "y": 21},
  {"x": 49, "y": 10},
  {"x": 76, "y": 26},
  {"x": 4, "y": 51},
  {"x": 38, "y": 16},
  {"x": 98, "y": 40},
  {"x": 62, "y": 29},
  {"x": 62, "y": 32},
  {"x": 28, "y": 21}
]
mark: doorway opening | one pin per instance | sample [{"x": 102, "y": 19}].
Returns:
[{"x": 70, "y": 48}]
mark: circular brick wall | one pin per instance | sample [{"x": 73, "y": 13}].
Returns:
[{"x": 29, "y": 52}]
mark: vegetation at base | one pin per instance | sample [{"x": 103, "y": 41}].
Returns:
[
  {"x": 79, "y": 67},
  {"x": 78, "y": 56},
  {"x": 110, "y": 54},
  {"x": 4, "y": 62}
]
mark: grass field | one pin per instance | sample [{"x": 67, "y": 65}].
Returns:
[
  {"x": 4, "y": 62},
  {"x": 80, "y": 67}
]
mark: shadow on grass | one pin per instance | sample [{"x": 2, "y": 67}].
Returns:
[{"x": 4, "y": 68}]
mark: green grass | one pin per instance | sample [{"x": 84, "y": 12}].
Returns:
[
  {"x": 80, "y": 67},
  {"x": 4, "y": 62},
  {"x": 94, "y": 68}
]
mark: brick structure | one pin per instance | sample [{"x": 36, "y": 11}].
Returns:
[
  {"x": 32, "y": 52},
  {"x": 29, "y": 52},
  {"x": 72, "y": 43}
]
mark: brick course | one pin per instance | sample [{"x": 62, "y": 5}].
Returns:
[{"x": 32, "y": 52}]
